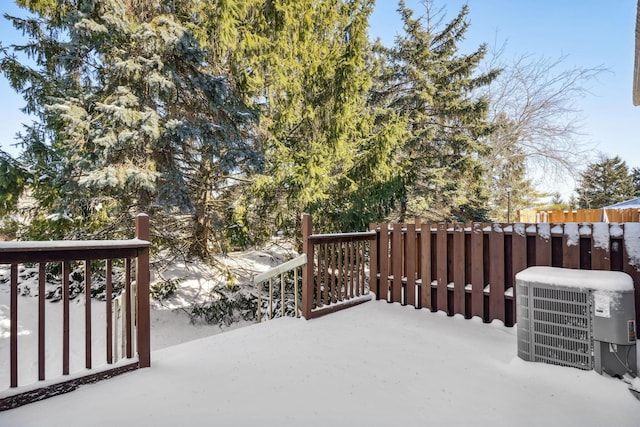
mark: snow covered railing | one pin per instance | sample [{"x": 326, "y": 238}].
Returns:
[
  {"x": 469, "y": 269},
  {"x": 135, "y": 330},
  {"x": 282, "y": 271},
  {"x": 336, "y": 274}
]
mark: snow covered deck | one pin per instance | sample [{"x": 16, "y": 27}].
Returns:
[{"x": 377, "y": 364}]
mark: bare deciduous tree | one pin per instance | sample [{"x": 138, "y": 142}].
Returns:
[
  {"x": 538, "y": 98},
  {"x": 534, "y": 104}
]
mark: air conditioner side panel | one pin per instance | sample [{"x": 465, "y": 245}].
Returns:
[
  {"x": 523, "y": 322},
  {"x": 614, "y": 317},
  {"x": 559, "y": 325}
]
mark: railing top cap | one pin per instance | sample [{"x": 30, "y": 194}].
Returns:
[
  {"x": 71, "y": 245},
  {"x": 343, "y": 235}
]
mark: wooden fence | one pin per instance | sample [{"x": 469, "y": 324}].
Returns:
[
  {"x": 66, "y": 252},
  {"x": 470, "y": 269},
  {"x": 578, "y": 215}
]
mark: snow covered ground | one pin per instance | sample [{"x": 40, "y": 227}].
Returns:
[{"x": 377, "y": 364}]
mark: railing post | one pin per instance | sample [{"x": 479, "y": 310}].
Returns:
[
  {"x": 307, "y": 270},
  {"x": 142, "y": 280}
]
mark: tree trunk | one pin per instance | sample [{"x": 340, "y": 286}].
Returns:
[{"x": 201, "y": 219}]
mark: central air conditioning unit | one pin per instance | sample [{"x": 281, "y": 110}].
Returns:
[{"x": 579, "y": 318}]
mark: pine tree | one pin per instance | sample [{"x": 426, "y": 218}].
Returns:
[
  {"x": 309, "y": 80},
  {"x": 556, "y": 201},
  {"x": 573, "y": 202},
  {"x": 605, "y": 182},
  {"x": 431, "y": 87},
  {"x": 635, "y": 177},
  {"x": 506, "y": 174},
  {"x": 375, "y": 184},
  {"x": 12, "y": 181}
]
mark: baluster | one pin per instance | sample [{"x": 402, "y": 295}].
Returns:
[
  {"x": 127, "y": 307},
  {"x": 41, "y": 321},
  {"x": 66, "y": 270},
  {"x": 282, "y": 289},
  {"x": 13, "y": 334},
  {"x": 87, "y": 313},
  {"x": 109, "y": 312}
]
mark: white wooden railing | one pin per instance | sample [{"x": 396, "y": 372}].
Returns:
[
  {"x": 269, "y": 275},
  {"x": 120, "y": 321}
]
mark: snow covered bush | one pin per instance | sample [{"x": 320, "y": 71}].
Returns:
[
  {"x": 164, "y": 289},
  {"x": 225, "y": 306}
]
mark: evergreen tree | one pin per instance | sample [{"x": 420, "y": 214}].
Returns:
[
  {"x": 556, "y": 201},
  {"x": 308, "y": 75},
  {"x": 135, "y": 117},
  {"x": 12, "y": 181},
  {"x": 506, "y": 174},
  {"x": 39, "y": 81},
  {"x": 573, "y": 202},
  {"x": 635, "y": 178},
  {"x": 431, "y": 87},
  {"x": 604, "y": 183}
]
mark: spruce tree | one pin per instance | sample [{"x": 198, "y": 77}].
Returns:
[
  {"x": 506, "y": 173},
  {"x": 307, "y": 60},
  {"x": 135, "y": 117},
  {"x": 604, "y": 183},
  {"x": 42, "y": 79},
  {"x": 12, "y": 181},
  {"x": 635, "y": 177},
  {"x": 431, "y": 87}
]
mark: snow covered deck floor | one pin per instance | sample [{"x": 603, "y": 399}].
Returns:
[{"x": 377, "y": 364}]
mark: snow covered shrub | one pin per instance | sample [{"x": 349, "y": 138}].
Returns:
[
  {"x": 165, "y": 289},
  {"x": 225, "y": 306},
  {"x": 229, "y": 303},
  {"x": 276, "y": 304}
]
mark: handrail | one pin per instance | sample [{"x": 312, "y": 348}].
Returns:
[
  {"x": 60, "y": 250},
  {"x": 282, "y": 268},
  {"x": 279, "y": 270},
  {"x": 69, "y": 245},
  {"x": 342, "y": 237}
]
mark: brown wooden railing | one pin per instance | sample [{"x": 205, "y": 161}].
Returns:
[
  {"x": 470, "y": 269},
  {"x": 66, "y": 252},
  {"x": 335, "y": 274}
]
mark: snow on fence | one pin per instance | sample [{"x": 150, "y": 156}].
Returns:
[
  {"x": 465, "y": 269},
  {"x": 132, "y": 310},
  {"x": 470, "y": 269}
]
